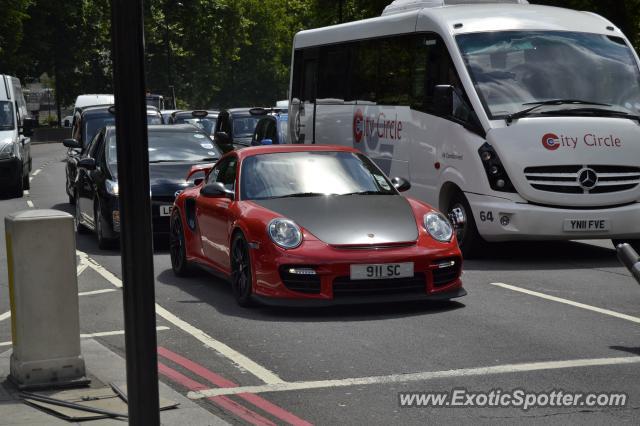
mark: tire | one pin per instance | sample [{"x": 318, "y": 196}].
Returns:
[
  {"x": 103, "y": 242},
  {"x": 633, "y": 243},
  {"x": 80, "y": 228},
  {"x": 177, "y": 250},
  {"x": 241, "y": 272},
  {"x": 18, "y": 189},
  {"x": 469, "y": 240},
  {"x": 26, "y": 183}
]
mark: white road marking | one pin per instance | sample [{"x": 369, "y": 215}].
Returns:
[
  {"x": 100, "y": 334},
  {"x": 30, "y": 203},
  {"x": 30, "y": 179},
  {"x": 417, "y": 377},
  {"x": 26, "y": 192},
  {"x": 36, "y": 172},
  {"x": 240, "y": 360},
  {"x": 93, "y": 293},
  {"x": 570, "y": 302}
]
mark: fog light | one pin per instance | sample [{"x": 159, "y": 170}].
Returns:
[
  {"x": 494, "y": 170},
  {"x": 486, "y": 156},
  {"x": 500, "y": 183},
  {"x": 116, "y": 220},
  {"x": 302, "y": 271},
  {"x": 504, "y": 220}
]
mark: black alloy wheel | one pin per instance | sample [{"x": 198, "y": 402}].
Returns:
[
  {"x": 103, "y": 242},
  {"x": 18, "y": 189},
  {"x": 241, "y": 275},
  {"x": 177, "y": 250},
  {"x": 80, "y": 228}
]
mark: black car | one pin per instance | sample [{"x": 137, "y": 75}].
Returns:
[
  {"x": 272, "y": 129},
  {"x": 235, "y": 127},
  {"x": 86, "y": 123},
  {"x": 173, "y": 150},
  {"x": 206, "y": 120}
]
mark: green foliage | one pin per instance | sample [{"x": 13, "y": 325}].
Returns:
[{"x": 214, "y": 52}]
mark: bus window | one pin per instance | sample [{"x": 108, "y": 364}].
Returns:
[{"x": 333, "y": 80}]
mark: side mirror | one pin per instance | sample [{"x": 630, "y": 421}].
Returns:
[
  {"x": 72, "y": 143},
  {"x": 401, "y": 184},
  {"x": 443, "y": 99},
  {"x": 216, "y": 190},
  {"x": 87, "y": 163},
  {"x": 28, "y": 125}
]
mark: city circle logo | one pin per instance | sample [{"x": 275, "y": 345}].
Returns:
[
  {"x": 358, "y": 126},
  {"x": 551, "y": 141}
]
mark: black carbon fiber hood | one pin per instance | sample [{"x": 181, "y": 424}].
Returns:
[{"x": 350, "y": 219}]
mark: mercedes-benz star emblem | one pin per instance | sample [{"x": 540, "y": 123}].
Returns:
[
  {"x": 587, "y": 178},
  {"x": 177, "y": 193}
]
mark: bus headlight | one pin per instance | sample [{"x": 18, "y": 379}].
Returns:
[
  {"x": 498, "y": 178},
  {"x": 112, "y": 187}
]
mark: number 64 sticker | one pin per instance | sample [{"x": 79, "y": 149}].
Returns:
[{"x": 486, "y": 216}]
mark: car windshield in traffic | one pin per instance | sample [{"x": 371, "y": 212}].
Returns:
[
  {"x": 243, "y": 127},
  {"x": 207, "y": 124},
  {"x": 95, "y": 123},
  {"x": 306, "y": 174},
  {"x": 6, "y": 116},
  {"x": 171, "y": 146},
  {"x": 511, "y": 69}
]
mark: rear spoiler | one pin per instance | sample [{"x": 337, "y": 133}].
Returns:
[{"x": 204, "y": 168}]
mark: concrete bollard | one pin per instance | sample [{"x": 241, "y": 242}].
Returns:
[{"x": 43, "y": 288}]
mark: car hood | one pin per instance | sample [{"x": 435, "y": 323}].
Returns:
[
  {"x": 167, "y": 178},
  {"x": 6, "y": 136},
  {"x": 350, "y": 219}
]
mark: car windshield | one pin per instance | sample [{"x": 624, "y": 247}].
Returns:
[
  {"x": 6, "y": 115},
  {"x": 171, "y": 146},
  {"x": 94, "y": 123},
  {"x": 243, "y": 127},
  {"x": 513, "y": 68},
  {"x": 310, "y": 173},
  {"x": 207, "y": 124}
]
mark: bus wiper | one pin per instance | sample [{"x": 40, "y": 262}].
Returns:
[
  {"x": 594, "y": 112},
  {"x": 516, "y": 115}
]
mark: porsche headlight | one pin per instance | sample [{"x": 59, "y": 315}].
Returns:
[
  {"x": 438, "y": 227},
  {"x": 285, "y": 233}
]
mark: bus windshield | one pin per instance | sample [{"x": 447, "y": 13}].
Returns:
[{"x": 513, "y": 68}]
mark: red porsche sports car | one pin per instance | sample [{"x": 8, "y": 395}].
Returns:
[{"x": 299, "y": 225}]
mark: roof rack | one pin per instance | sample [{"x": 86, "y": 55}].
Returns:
[{"x": 400, "y": 6}]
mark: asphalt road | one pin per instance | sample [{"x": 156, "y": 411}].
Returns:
[{"x": 539, "y": 317}]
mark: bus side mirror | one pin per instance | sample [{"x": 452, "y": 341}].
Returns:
[{"x": 443, "y": 100}]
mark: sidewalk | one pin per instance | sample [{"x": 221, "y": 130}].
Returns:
[{"x": 103, "y": 367}]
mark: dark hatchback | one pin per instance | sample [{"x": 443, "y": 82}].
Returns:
[
  {"x": 86, "y": 123},
  {"x": 173, "y": 150}
]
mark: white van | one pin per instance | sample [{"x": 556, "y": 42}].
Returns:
[
  {"x": 15, "y": 145},
  {"x": 521, "y": 119},
  {"x": 83, "y": 101}
]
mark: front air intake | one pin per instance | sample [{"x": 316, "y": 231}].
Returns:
[{"x": 399, "y": 6}]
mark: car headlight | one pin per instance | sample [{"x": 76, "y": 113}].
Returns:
[
  {"x": 284, "y": 233},
  {"x": 7, "y": 151},
  {"x": 112, "y": 187},
  {"x": 438, "y": 227}
]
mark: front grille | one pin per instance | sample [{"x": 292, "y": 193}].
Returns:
[
  {"x": 309, "y": 284},
  {"x": 446, "y": 275},
  {"x": 344, "y": 286},
  {"x": 564, "y": 179}
]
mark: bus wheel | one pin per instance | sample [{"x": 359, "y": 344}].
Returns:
[{"x": 469, "y": 239}]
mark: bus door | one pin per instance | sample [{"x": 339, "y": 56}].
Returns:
[{"x": 302, "y": 107}]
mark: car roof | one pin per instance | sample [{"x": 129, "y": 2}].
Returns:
[
  {"x": 190, "y": 111},
  {"x": 280, "y": 149},
  {"x": 161, "y": 128},
  {"x": 102, "y": 109}
]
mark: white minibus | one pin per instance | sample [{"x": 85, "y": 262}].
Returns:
[{"x": 522, "y": 119}]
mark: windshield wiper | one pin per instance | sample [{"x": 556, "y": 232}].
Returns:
[
  {"x": 367, "y": 193},
  {"x": 598, "y": 112},
  {"x": 516, "y": 115},
  {"x": 303, "y": 194},
  {"x": 209, "y": 159}
]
